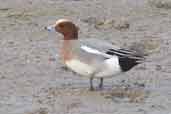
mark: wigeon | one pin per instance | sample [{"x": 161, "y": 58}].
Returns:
[{"x": 93, "y": 58}]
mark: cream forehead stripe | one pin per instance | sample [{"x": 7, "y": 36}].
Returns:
[{"x": 62, "y": 20}]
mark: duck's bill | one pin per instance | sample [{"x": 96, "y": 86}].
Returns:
[{"x": 50, "y": 28}]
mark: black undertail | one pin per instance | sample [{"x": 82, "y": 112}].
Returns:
[
  {"x": 127, "y": 63},
  {"x": 127, "y": 59}
]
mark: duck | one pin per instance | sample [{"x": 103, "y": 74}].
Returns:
[{"x": 90, "y": 57}]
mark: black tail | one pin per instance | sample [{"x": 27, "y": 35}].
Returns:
[{"x": 127, "y": 59}]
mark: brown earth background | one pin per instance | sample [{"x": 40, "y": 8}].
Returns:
[{"x": 33, "y": 81}]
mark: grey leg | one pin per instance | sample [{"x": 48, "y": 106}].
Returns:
[
  {"x": 91, "y": 84},
  {"x": 101, "y": 83}
]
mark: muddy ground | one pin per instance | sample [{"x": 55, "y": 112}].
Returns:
[{"x": 33, "y": 80}]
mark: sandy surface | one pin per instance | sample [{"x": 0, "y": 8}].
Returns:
[{"x": 32, "y": 80}]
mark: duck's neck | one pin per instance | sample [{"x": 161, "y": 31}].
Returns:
[
  {"x": 71, "y": 36},
  {"x": 66, "y": 50}
]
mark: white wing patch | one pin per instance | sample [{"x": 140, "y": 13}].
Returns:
[
  {"x": 94, "y": 51},
  {"x": 90, "y": 50}
]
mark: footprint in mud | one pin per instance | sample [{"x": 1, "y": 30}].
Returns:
[
  {"x": 146, "y": 47},
  {"x": 164, "y": 4},
  {"x": 118, "y": 24},
  {"x": 4, "y": 9},
  {"x": 39, "y": 111},
  {"x": 122, "y": 94}
]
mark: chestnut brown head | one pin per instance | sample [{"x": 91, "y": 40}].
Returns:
[{"x": 66, "y": 27}]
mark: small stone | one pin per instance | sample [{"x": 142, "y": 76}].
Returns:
[
  {"x": 2, "y": 77},
  {"x": 11, "y": 42},
  {"x": 106, "y": 24},
  {"x": 158, "y": 67},
  {"x": 139, "y": 84},
  {"x": 122, "y": 24},
  {"x": 90, "y": 20}
]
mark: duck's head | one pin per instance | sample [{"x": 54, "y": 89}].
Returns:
[{"x": 66, "y": 27}]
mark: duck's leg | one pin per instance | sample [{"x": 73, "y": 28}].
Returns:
[
  {"x": 101, "y": 83},
  {"x": 91, "y": 84}
]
